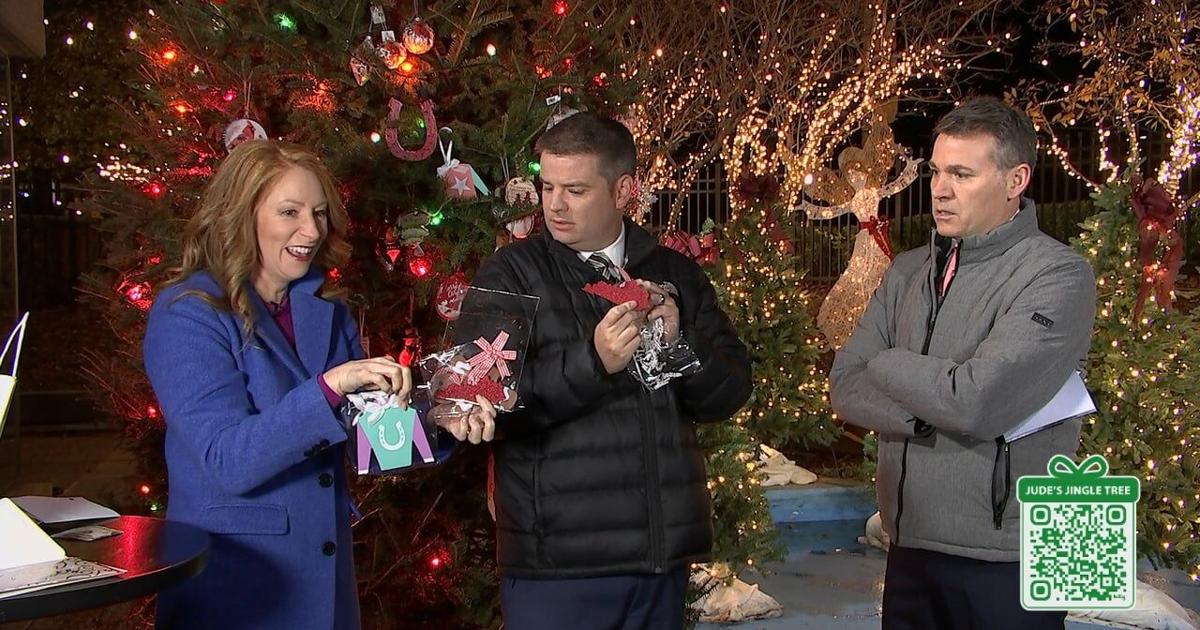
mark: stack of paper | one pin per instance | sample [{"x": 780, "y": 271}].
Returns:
[
  {"x": 1071, "y": 401},
  {"x": 24, "y": 543},
  {"x": 30, "y": 560},
  {"x": 50, "y": 510}
]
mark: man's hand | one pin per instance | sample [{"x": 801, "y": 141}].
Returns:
[
  {"x": 474, "y": 426},
  {"x": 616, "y": 336},
  {"x": 665, "y": 309}
]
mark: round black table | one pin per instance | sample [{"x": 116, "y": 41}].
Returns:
[{"x": 154, "y": 552}]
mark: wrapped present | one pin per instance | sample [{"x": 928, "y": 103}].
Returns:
[{"x": 461, "y": 181}]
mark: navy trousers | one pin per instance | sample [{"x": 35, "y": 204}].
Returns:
[
  {"x": 619, "y": 602},
  {"x": 927, "y": 590}
]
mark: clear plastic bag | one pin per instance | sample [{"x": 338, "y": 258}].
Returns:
[
  {"x": 657, "y": 362},
  {"x": 486, "y": 353}
]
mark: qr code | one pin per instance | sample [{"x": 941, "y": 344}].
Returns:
[{"x": 1077, "y": 555}]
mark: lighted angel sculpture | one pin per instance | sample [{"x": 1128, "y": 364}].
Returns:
[{"x": 863, "y": 183}]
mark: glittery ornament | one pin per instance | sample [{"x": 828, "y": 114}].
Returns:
[
  {"x": 393, "y": 54},
  {"x": 418, "y": 37}
]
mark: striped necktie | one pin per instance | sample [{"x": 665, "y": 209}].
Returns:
[{"x": 604, "y": 267}]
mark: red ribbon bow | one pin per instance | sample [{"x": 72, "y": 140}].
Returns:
[
  {"x": 682, "y": 242},
  {"x": 491, "y": 354},
  {"x": 701, "y": 249},
  {"x": 1157, "y": 214},
  {"x": 878, "y": 227}
]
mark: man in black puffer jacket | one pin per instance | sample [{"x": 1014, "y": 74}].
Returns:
[{"x": 601, "y": 496}]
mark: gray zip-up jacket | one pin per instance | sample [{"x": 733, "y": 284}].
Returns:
[{"x": 941, "y": 381}]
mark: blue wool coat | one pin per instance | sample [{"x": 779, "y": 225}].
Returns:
[{"x": 254, "y": 457}]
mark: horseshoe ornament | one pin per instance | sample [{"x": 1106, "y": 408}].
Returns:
[{"x": 431, "y": 132}]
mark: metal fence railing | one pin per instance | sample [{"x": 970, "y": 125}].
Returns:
[{"x": 823, "y": 247}]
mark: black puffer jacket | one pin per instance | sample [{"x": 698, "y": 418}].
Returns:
[{"x": 597, "y": 476}]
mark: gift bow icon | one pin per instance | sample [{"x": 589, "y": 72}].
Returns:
[
  {"x": 491, "y": 354},
  {"x": 1062, "y": 467}
]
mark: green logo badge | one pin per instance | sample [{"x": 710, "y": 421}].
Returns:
[{"x": 1078, "y": 544}]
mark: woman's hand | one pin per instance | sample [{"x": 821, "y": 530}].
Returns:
[
  {"x": 382, "y": 373},
  {"x": 477, "y": 425}
]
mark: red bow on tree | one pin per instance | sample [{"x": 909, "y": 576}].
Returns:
[
  {"x": 702, "y": 249},
  {"x": 1157, "y": 215},
  {"x": 878, "y": 227},
  {"x": 756, "y": 190}
]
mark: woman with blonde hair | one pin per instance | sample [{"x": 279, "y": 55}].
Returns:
[{"x": 250, "y": 354}]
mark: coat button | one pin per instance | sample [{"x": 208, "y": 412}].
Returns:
[
  {"x": 325, "y": 480},
  {"x": 324, "y": 444},
  {"x": 329, "y": 548}
]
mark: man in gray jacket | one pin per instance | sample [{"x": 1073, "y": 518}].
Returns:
[{"x": 963, "y": 340}]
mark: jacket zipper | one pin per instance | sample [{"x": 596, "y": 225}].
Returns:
[
  {"x": 935, "y": 301},
  {"x": 653, "y": 492},
  {"x": 999, "y": 504},
  {"x": 900, "y": 494}
]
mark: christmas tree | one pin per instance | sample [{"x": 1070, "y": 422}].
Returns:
[
  {"x": 1141, "y": 368},
  {"x": 385, "y": 96},
  {"x": 761, "y": 287},
  {"x": 71, "y": 105},
  {"x": 743, "y": 531}
]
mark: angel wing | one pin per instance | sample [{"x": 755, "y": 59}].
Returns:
[
  {"x": 906, "y": 177},
  {"x": 828, "y": 187},
  {"x": 822, "y": 213},
  {"x": 880, "y": 149}
]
